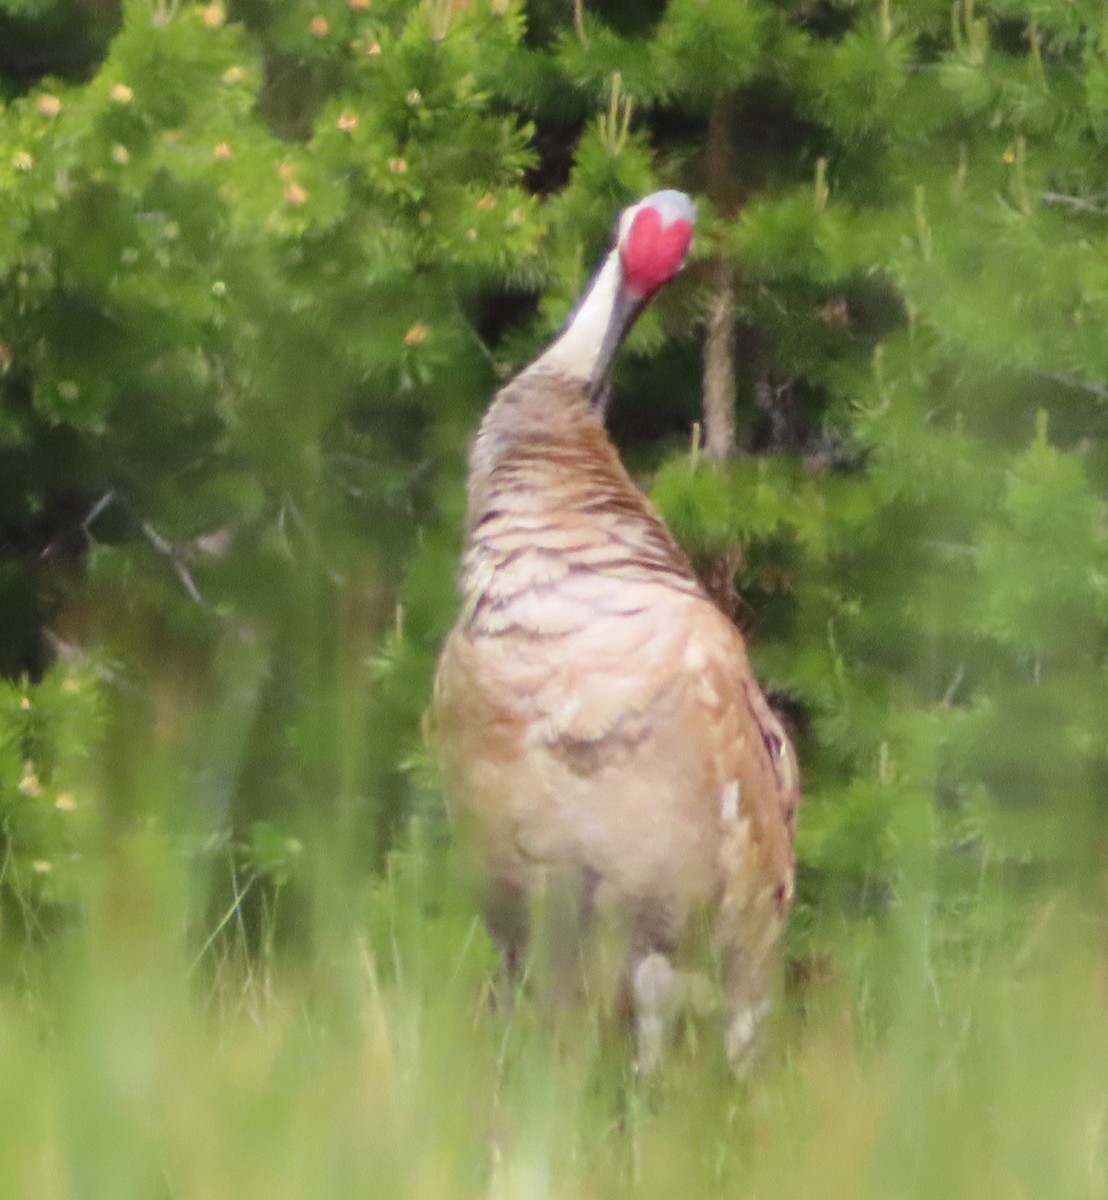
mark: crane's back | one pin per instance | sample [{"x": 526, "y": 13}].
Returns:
[{"x": 597, "y": 716}]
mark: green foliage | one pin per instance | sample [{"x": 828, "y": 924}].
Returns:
[
  {"x": 928, "y": 585},
  {"x": 227, "y": 357},
  {"x": 705, "y": 48},
  {"x": 50, "y": 735},
  {"x": 381, "y": 1065},
  {"x": 261, "y": 268}
]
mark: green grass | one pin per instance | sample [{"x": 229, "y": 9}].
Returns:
[{"x": 370, "y": 1062}]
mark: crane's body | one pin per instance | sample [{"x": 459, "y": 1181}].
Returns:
[{"x": 596, "y": 715}]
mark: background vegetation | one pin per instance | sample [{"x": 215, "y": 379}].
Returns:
[{"x": 261, "y": 267}]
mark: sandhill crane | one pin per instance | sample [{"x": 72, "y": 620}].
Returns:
[{"x": 595, "y": 714}]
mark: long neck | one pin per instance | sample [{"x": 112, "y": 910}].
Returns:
[
  {"x": 547, "y": 489},
  {"x": 549, "y": 398},
  {"x": 584, "y": 351}
]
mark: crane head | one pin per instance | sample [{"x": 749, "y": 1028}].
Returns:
[{"x": 653, "y": 240}]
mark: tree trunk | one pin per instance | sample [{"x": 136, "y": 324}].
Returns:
[
  {"x": 719, "y": 366},
  {"x": 719, "y": 332}
]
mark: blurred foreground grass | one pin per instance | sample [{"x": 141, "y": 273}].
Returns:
[{"x": 133, "y": 1066}]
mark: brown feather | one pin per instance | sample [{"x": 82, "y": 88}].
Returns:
[{"x": 596, "y": 713}]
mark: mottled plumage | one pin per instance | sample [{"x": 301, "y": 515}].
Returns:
[{"x": 596, "y": 716}]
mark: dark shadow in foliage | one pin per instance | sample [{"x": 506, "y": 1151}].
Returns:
[{"x": 67, "y": 39}]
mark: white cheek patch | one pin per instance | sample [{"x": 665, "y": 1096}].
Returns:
[{"x": 729, "y": 804}]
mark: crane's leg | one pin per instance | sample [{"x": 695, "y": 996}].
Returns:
[
  {"x": 742, "y": 1028},
  {"x": 538, "y": 928},
  {"x": 506, "y": 918},
  {"x": 748, "y": 959},
  {"x": 655, "y": 989},
  {"x": 749, "y": 923}
]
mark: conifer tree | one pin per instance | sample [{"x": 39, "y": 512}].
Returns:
[{"x": 262, "y": 267}]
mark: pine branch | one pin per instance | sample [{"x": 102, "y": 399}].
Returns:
[
  {"x": 1069, "y": 380},
  {"x": 169, "y": 551},
  {"x": 1086, "y": 204},
  {"x": 579, "y": 22}
]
